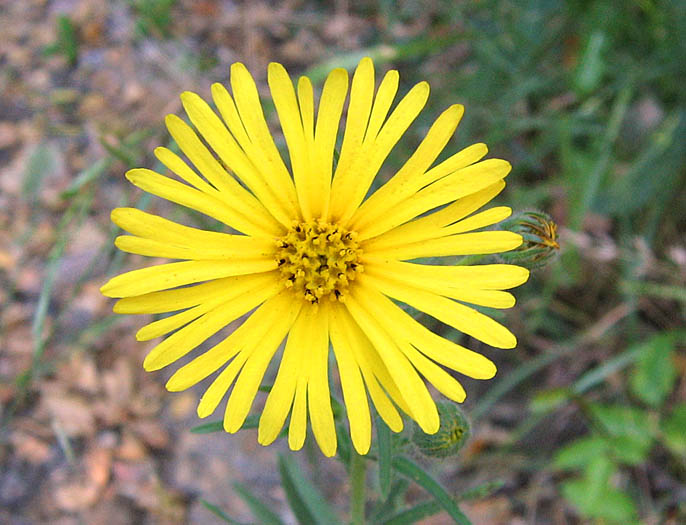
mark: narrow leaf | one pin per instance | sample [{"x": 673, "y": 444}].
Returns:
[
  {"x": 263, "y": 514},
  {"x": 383, "y": 434},
  {"x": 208, "y": 428},
  {"x": 305, "y": 500},
  {"x": 424, "y": 480},
  {"x": 219, "y": 513}
]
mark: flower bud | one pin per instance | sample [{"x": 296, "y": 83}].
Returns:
[
  {"x": 451, "y": 436},
  {"x": 539, "y": 233}
]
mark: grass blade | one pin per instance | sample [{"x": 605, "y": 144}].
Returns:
[
  {"x": 424, "y": 480},
  {"x": 219, "y": 513},
  {"x": 263, "y": 514},
  {"x": 383, "y": 434},
  {"x": 306, "y": 502}
]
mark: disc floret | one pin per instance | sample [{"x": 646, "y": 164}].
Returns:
[{"x": 318, "y": 260}]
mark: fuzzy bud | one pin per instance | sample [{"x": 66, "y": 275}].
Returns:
[{"x": 451, "y": 436}]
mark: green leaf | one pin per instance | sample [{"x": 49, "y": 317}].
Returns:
[
  {"x": 548, "y": 400},
  {"x": 593, "y": 496},
  {"x": 426, "y": 509},
  {"x": 252, "y": 421},
  {"x": 610, "y": 504},
  {"x": 629, "y": 430},
  {"x": 598, "y": 472},
  {"x": 592, "y": 66},
  {"x": 91, "y": 173},
  {"x": 414, "y": 514},
  {"x": 629, "y": 450},
  {"x": 674, "y": 430},
  {"x": 383, "y": 434},
  {"x": 219, "y": 513},
  {"x": 580, "y": 453},
  {"x": 44, "y": 160},
  {"x": 208, "y": 428},
  {"x": 615, "y": 506},
  {"x": 263, "y": 514},
  {"x": 305, "y": 500},
  {"x": 653, "y": 376},
  {"x": 424, "y": 480}
]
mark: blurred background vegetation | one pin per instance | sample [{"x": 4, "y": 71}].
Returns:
[{"x": 585, "y": 421}]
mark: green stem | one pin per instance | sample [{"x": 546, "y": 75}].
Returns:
[{"x": 358, "y": 472}]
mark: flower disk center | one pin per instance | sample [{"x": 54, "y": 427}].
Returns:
[{"x": 318, "y": 260}]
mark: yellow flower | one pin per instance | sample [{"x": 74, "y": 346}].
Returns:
[{"x": 313, "y": 260}]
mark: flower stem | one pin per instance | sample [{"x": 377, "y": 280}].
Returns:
[{"x": 358, "y": 474}]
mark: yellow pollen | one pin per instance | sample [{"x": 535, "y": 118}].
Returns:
[{"x": 318, "y": 260}]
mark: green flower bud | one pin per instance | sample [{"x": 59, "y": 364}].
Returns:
[
  {"x": 451, "y": 436},
  {"x": 539, "y": 232}
]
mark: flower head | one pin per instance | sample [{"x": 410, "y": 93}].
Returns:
[{"x": 312, "y": 261}]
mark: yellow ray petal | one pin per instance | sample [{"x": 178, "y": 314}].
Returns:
[
  {"x": 244, "y": 336},
  {"x": 229, "y": 112},
  {"x": 286, "y": 104},
  {"x": 359, "y": 108},
  {"x": 461, "y": 244},
  {"x": 177, "y": 165},
  {"x": 223, "y": 143},
  {"x": 171, "y": 275},
  {"x": 212, "y": 170},
  {"x": 460, "y": 184},
  {"x": 318, "y": 394},
  {"x": 268, "y": 162},
  {"x": 328, "y": 121},
  {"x": 459, "y": 316},
  {"x": 280, "y": 399},
  {"x": 252, "y": 116},
  {"x": 197, "y": 153},
  {"x": 354, "y": 394},
  {"x": 371, "y": 366},
  {"x": 357, "y": 180},
  {"x": 304, "y": 183},
  {"x": 155, "y": 248},
  {"x": 434, "y": 346},
  {"x": 412, "y": 388},
  {"x": 434, "y": 374},
  {"x": 306, "y": 103},
  {"x": 240, "y": 215},
  {"x": 297, "y": 428},
  {"x": 171, "y": 300},
  {"x": 189, "y": 337},
  {"x": 169, "y": 324},
  {"x": 243, "y": 394},
  {"x": 149, "y": 226},
  {"x": 430, "y": 226},
  {"x": 220, "y": 295},
  {"x": 404, "y": 183},
  {"x": 461, "y": 291},
  {"x": 455, "y": 162},
  {"x": 382, "y": 104},
  {"x": 217, "y": 390},
  {"x": 479, "y": 220},
  {"x": 482, "y": 276}
]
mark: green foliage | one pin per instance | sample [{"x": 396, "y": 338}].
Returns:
[
  {"x": 417, "y": 474},
  {"x": 653, "y": 376},
  {"x": 263, "y": 514},
  {"x": 674, "y": 431},
  {"x": 153, "y": 17},
  {"x": 594, "y": 497},
  {"x": 306, "y": 502},
  {"x": 67, "y": 43}
]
